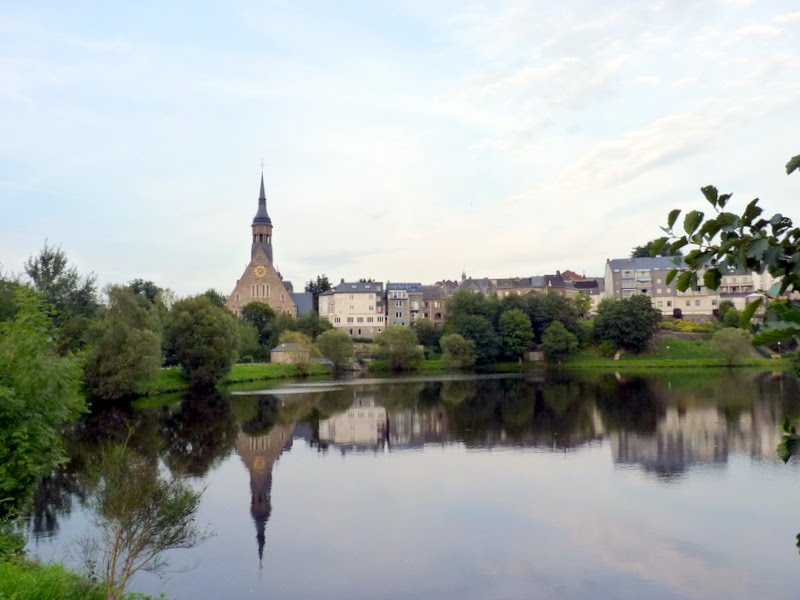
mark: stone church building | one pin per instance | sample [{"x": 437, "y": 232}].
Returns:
[{"x": 260, "y": 281}]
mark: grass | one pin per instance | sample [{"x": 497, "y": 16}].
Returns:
[
  {"x": 21, "y": 580},
  {"x": 171, "y": 379},
  {"x": 672, "y": 353}
]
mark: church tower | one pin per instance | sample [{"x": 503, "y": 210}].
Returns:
[
  {"x": 260, "y": 281},
  {"x": 262, "y": 226}
]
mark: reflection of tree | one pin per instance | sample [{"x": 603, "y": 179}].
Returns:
[
  {"x": 629, "y": 405},
  {"x": 517, "y": 407},
  {"x": 476, "y": 415},
  {"x": 565, "y": 416},
  {"x": 53, "y": 499},
  {"x": 201, "y": 433},
  {"x": 456, "y": 392},
  {"x": 398, "y": 396},
  {"x": 264, "y": 415}
]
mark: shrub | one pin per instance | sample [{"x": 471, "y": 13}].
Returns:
[
  {"x": 557, "y": 342},
  {"x": 398, "y": 347},
  {"x": 732, "y": 343},
  {"x": 458, "y": 352}
]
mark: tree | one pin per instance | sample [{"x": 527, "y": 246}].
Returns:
[
  {"x": 516, "y": 333},
  {"x": 458, "y": 352},
  {"x": 628, "y": 323},
  {"x": 398, "y": 347},
  {"x": 466, "y": 303},
  {"x": 8, "y": 290},
  {"x": 645, "y": 251},
  {"x": 249, "y": 346},
  {"x": 39, "y": 392},
  {"x": 204, "y": 338},
  {"x": 337, "y": 347},
  {"x": 723, "y": 308},
  {"x": 478, "y": 329},
  {"x": 73, "y": 298},
  {"x": 317, "y": 287},
  {"x": 427, "y": 333},
  {"x": 125, "y": 355},
  {"x": 544, "y": 309},
  {"x": 557, "y": 342},
  {"x": 139, "y": 515},
  {"x": 732, "y": 318},
  {"x": 732, "y": 344},
  {"x": 583, "y": 302},
  {"x": 148, "y": 289},
  {"x": 218, "y": 298},
  {"x": 312, "y": 325}
]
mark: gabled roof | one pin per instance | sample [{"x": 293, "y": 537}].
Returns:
[
  {"x": 433, "y": 292},
  {"x": 408, "y": 287},
  {"x": 659, "y": 262},
  {"x": 289, "y": 347},
  {"x": 304, "y": 301},
  {"x": 372, "y": 287}
]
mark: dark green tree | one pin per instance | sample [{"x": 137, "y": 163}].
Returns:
[
  {"x": 316, "y": 287},
  {"x": 457, "y": 351},
  {"x": 629, "y": 323},
  {"x": 39, "y": 392},
  {"x": 516, "y": 333},
  {"x": 732, "y": 318},
  {"x": 312, "y": 325},
  {"x": 733, "y": 344},
  {"x": 148, "y": 289},
  {"x": 479, "y": 329},
  {"x": 204, "y": 337},
  {"x": 337, "y": 347},
  {"x": 466, "y": 303},
  {"x": 8, "y": 291},
  {"x": 218, "y": 298},
  {"x": 646, "y": 251},
  {"x": 557, "y": 342},
  {"x": 73, "y": 298},
  {"x": 398, "y": 347},
  {"x": 427, "y": 333},
  {"x": 125, "y": 355}
]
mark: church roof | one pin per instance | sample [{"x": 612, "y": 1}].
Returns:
[{"x": 262, "y": 217}]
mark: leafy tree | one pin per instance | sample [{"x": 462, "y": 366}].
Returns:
[
  {"x": 73, "y": 298},
  {"x": 646, "y": 251},
  {"x": 140, "y": 515},
  {"x": 732, "y": 344},
  {"x": 218, "y": 298},
  {"x": 148, "y": 289},
  {"x": 628, "y": 323},
  {"x": 336, "y": 346},
  {"x": 398, "y": 347},
  {"x": 557, "y": 342},
  {"x": 478, "y": 329},
  {"x": 466, "y": 303},
  {"x": 723, "y": 308},
  {"x": 544, "y": 309},
  {"x": 428, "y": 333},
  {"x": 312, "y": 325},
  {"x": 8, "y": 290},
  {"x": 316, "y": 287},
  {"x": 516, "y": 333},
  {"x": 458, "y": 352},
  {"x": 258, "y": 314},
  {"x": 205, "y": 340},
  {"x": 125, "y": 356},
  {"x": 583, "y": 302},
  {"x": 732, "y": 318},
  {"x": 39, "y": 392},
  {"x": 249, "y": 347}
]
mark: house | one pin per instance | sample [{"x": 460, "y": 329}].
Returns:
[
  {"x": 594, "y": 287},
  {"x": 357, "y": 308},
  {"x": 404, "y": 302},
  {"x": 434, "y": 303},
  {"x": 289, "y": 353}
]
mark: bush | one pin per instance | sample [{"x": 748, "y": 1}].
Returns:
[
  {"x": 557, "y": 342},
  {"x": 478, "y": 329},
  {"x": 458, "y": 352},
  {"x": 629, "y": 323},
  {"x": 607, "y": 349},
  {"x": 398, "y": 347},
  {"x": 336, "y": 346},
  {"x": 732, "y": 343},
  {"x": 731, "y": 318}
]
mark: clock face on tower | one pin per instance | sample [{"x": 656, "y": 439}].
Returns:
[{"x": 260, "y": 271}]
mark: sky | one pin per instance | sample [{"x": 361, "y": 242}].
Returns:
[{"x": 402, "y": 141}]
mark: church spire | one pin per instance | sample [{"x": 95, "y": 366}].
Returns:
[
  {"x": 262, "y": 226},
  {"x": 262, "y": 217}
]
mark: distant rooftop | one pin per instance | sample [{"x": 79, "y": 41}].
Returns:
[
  {"x": 372, "y": 287},
  {"x": 408, "y": 287},
  {"x": 658, "y": 262}
]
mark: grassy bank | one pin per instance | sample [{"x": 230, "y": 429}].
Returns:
[
  {"x": 674, "y": 353},
  {"x": 171, "y": 379},
  {"x": 22, "y": 580}
]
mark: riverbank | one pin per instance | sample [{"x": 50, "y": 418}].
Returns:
[{"x": 171, "y": 379}]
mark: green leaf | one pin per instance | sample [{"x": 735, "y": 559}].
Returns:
[
  {"x": 657, "y": 245},
  {"x": 673, "y": 216},
  {"x": 692, "y": 221},
  {"x": 757, "y": 248},
  {"x": 684, "y": 281},
  {"x": 673, "y": 249},
  {"x": 712, "y": 278},
  {"x": 671, "y": 275},
  {"x": 793, "y": 164},
  {"x": 751, "y": 212},
  {"x": 723, "y": 200},
  {"x": 774, "y": 291},
  {"x": 787, "y": 448},
  {"x": 748, "y": 312},
  {"x": 711, "y": 194},
  {"x": 786, "y": 312}
]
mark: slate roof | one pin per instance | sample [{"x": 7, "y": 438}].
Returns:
[
  {"x": 304, "y": 301},
  {"x": 408, "y": 287},
  {"x": 513, "y": 283},
  {"x": 262, "y": 217},
  {"x": 433, "y": 292},
  {"x": 661, "y": 263},
  {"x": 289, "y": 347},
  {"x": 484, "y": 286},
  {"x": 359, "y": 287}
]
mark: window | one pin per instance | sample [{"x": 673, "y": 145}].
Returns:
[
  {"x": 369, "y": 319},
  {"x": 359, "y": 332},
  {"x": 658, "y": 280},
  {"x": 398, "y": 303},
  {"x": 697, "y": 302},
  {"x": 360, "y": 319},
  {"x": 398, "y": 315},
  {"x": 436, "y": 304},
  {"x": 380, "y": 319},
  {"x": 669, "y": 303},
  {"x": 713, "y": 302},
  {"x": 658, "y": 291},
  {"x": 688, "y": 303},
  {"x": 349, "y": 319},
  {"x": 351, "y": 297}
]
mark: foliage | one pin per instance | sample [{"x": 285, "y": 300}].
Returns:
[
  {"x": 148, "y": 289},
  {"x": 732, "y": 318},
  {"x": 39, "y": 391},
  {"x": 428, "y": 333},
  {"x": 8, "y": 290},
  {"x": 312, "y": 325},
  {"x": 249, "y": 347},
  {"x": 583, "y": 302},
  {"x": 690, "y": 326},
  {"x": 479, "y": 330},
  {"x": 316, "y": 287},
  {"x": 258, "y": 314},
  {"x": 398, "y": 347},
  {"x": 458, "y": 352},
  {"x": 646, "y": 251},
  {"x": 732, "y": 344},
  {"x": 336, "y": 346},
  {"x": 723, "y": 308},
  {"x": 466, "y": 303},
  {"x": 73, "y": 298},
  {"x": 516, "y": 333},
  {"x": 139, "y": 515},
  {"x": 789, "y": 445},
  {"x": 205, "y": 340},
  {"x": 217, "y": 298},
  {"x": 125, "y": 355},
  {"x": 302, "y": 359},
  {"x": 544, "y": 309},
  {"x": 628, "y": 323},
  {"x": 557, "y": 342}
]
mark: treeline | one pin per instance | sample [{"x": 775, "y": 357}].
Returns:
[{"x": 123, "y": 339}]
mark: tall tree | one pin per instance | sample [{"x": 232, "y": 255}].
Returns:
[
  {"x": 125, "y": 356},
  {"x": 205, "y": 339},
  {"x": 516, "y": 333},
  {"x": 218, "y": 298},
  {"x": 398, "y": 347},
  {"x": 557, "y": 342},
  {"x": 316, "y": 287},
  {"x": 628, "y": 323},
  {"x": 478, "y": 329},
  {"x": 337, "y": 347}
]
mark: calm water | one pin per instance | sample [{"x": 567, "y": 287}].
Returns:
[{"x": 502, "y": 487}]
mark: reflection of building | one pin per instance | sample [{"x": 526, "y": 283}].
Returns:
[
  {"x": 259, "y": 454},
  {"x": 415, "y": 428},
  {"x": 361, "y": 425}
]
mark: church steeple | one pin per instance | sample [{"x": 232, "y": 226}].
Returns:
[{"x": 262, "y": 226}]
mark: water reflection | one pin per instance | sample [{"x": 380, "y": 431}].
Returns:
[{"x": 662, "y": 425}]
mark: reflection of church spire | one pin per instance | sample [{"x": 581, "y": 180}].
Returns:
[{"x": 259, "y": 454}]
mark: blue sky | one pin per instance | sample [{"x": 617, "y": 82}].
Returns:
[{"x": 401, "y": 141}]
